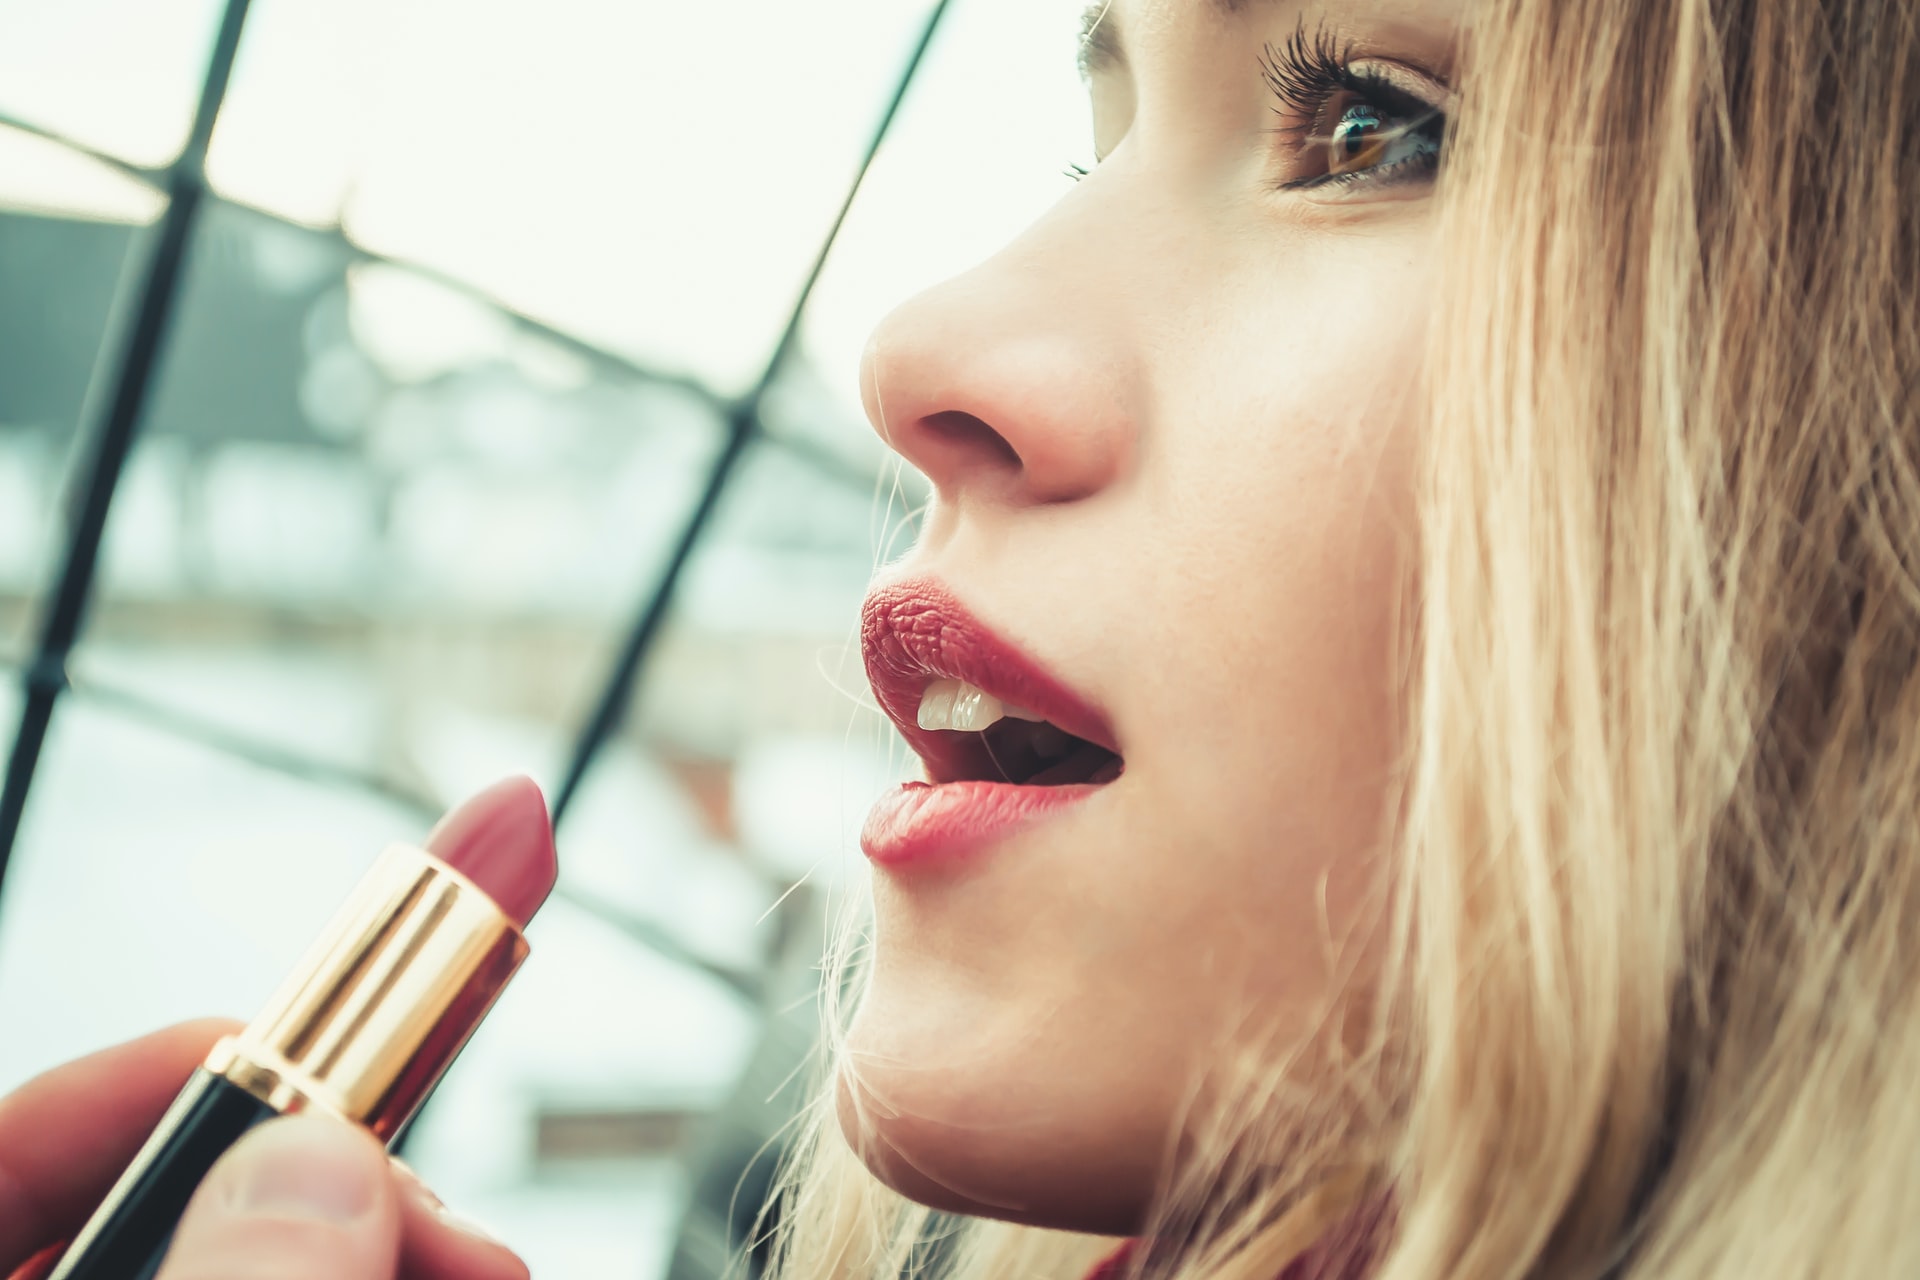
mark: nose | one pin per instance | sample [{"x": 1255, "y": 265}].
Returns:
[{"x": 1008, "y": 385}]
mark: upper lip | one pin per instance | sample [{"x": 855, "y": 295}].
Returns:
[{"x": 915, "y": 632}]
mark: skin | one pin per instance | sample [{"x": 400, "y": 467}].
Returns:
[{"x": 1170, "y": 434}]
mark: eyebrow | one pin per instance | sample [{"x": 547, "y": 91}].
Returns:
[{"x": 1101, "y": 47}]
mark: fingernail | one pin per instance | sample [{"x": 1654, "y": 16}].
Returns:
[
  {"x": 457, "y": 1221},
  {"x": 467, "y": 1226},
  {"x": 416, "y": 1184},
  {"x": 305, "y": 1166}
]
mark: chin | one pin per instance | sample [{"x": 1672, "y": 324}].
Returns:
[{"x": 993, "y": 1139}]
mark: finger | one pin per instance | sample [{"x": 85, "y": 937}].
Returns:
[
  {"x": 66, "y": 1135},
  {"x": 302, "y": 1198},
  {"x": 438, "y": 1244}
]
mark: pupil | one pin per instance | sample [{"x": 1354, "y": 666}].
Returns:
[{"x": 1354, "y": 129}]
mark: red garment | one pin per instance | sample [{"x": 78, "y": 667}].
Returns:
[
  {"x": 1315, "y": 1264},
  {"x": 1109, "y": 1267},
  {"x": 1112, "y": 1266}
]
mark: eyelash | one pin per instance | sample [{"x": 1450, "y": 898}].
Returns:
[
  {"x": 1310, "y": 70},
  {"x": 1305, "y": 75}
]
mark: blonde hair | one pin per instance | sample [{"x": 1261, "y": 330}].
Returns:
[{"x": 1652, "y": 1002}]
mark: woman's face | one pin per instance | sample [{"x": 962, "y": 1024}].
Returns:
[{"x": 1169, "y": 431}]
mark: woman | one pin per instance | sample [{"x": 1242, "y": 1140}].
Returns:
[{"x": 1449, "y": 475}]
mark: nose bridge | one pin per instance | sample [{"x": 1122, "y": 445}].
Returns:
[{"x": 1017, "y": 380}]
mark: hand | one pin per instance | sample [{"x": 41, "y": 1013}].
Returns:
[{"x": 307, "y": 1198}]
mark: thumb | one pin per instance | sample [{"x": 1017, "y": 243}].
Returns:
[{"x": 303, "y": 1198}]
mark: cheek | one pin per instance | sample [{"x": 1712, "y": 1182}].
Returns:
[{"x": 1283, "y": 518}]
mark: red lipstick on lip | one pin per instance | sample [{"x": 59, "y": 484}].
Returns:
[
  {"x": 920, "y": 821},
  {"x": 364, "y": 1027},
  {"x": 913, "y": 633}
]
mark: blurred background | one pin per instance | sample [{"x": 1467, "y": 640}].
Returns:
[{"x": 453, "y": 388}]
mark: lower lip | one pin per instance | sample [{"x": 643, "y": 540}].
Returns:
[{"x": 924, "y": 822}]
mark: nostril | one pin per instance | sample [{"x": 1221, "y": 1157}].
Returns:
[{"x": 961, "y": 435}]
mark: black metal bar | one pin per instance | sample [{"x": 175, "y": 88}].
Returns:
[
  {"x": 617, "y": 690},
  {"x": 744, "y": 424},
  {"x": 291, "y": 763},
  {"x": 828, "y": 463},
  {"x": 303, "y": 767},
  {"x": 274, "y": 757},
  {"x": 152, "y": 177},
  {"x": 132, "y": 377},
  {"x": 599, "y": 357},
  {"x": 791, "y": 334}
]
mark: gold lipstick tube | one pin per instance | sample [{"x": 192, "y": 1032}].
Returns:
[
  {"x": 384, "y": 1000},
  {"x": 363, "y": 1030}
]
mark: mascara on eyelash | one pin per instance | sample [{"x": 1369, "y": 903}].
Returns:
[
  {"x": 1310, "y": 68},
  {"x": 1306, "y": 66},
  {"x": 1305, "y": 75}
]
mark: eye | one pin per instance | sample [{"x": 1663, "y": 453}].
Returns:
[{"x": 1351, "y": 122}]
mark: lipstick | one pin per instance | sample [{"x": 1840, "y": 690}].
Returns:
[
  {"x": 981, "y": 787},
  {"x": 362, "y": 1030}
]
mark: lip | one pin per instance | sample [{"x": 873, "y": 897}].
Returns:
[{"x": 912, "y": 633}]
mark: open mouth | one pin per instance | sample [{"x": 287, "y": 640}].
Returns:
[
  {"x": 1006, "y": 744},
  {"x": 978, "y": 738}
]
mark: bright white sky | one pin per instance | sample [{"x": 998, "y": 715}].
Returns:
[{"x": 652, "y": 175}]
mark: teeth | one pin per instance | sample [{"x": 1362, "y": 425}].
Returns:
[
  {"x": 936, "y": 704},
  {"x": 956, "y": 705}
]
